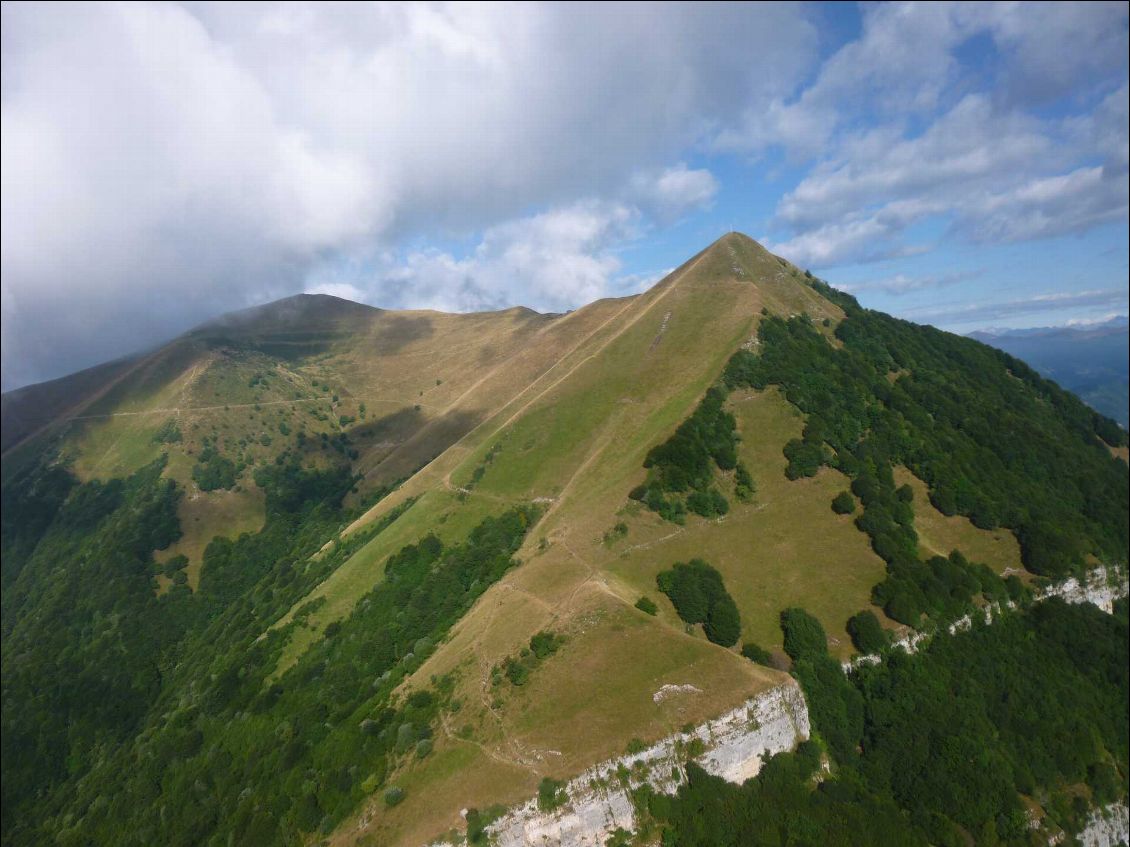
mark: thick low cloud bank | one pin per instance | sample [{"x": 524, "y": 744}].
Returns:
[{"x": 165, "y": 162}]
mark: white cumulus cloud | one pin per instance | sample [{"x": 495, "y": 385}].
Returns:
[{"x": 162, "y": 162}]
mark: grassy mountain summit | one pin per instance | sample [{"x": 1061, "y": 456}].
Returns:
[{"x": 363, "y": 551}]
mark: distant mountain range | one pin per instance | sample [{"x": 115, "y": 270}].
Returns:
[{"x": 1091, "y": 361}]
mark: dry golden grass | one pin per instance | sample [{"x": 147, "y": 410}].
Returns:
[{"x": 580, "y": 706}]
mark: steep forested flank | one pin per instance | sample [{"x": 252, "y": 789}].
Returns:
[
  {"x": 135, "y": 719},
  {"x": 936, "y": 748},
  {"x": 993, "y": 440}
]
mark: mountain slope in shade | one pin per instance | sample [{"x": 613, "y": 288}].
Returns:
[{"x": 1092, "y": 361}]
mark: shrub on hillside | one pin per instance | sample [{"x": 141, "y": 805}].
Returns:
[
  {"x": 757, "y": 653},
  {"x": 723, "y": 624},
  {"x": 804, "y": 635},
  {"x": 551, "y": 794},
  {"x": 685, "y": 463},
  {"x": 646, "y": 605},
  {"x": 213, "y": 470},
  {"x": 544, "y": 644},
  {"x": 867, "y": 634},
  {"x": 844, "y": 503},
  {"x": 744, "y": 486},
  {"x": 699, "y": 596}
]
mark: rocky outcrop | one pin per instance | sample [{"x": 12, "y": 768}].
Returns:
[
  {"x": 732, "y": 746},
  {"x": 1102, "y": 586},
  {"x": 1107, "y": 827}
]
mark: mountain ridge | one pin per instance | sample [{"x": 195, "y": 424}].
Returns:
[{"x": 460, "y": 524}]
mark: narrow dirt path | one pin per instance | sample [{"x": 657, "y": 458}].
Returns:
[
  {"x": 489, "y": 752},
  {"x": 474, "y": 492},
  {"x": 86, "y": 403},
  {"x": 602, "y": 346},
  {"x": 593, "y": 455},
  {"x": 655, "y": 542},
  {"x": 179, "y": 409},
  {"x": 659, "y": 335},
  {"x": 592, "y": 577}
]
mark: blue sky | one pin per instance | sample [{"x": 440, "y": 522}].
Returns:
[{"x": 961, "y": 165}]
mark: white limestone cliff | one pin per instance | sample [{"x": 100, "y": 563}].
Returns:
[
  {"x": 734, "y": 746},
  {"x": 1107, "y": 827},
  {"x": 1101, "y": 587},
  {"x": 599, "y": 802}
]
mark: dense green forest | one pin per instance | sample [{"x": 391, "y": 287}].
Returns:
[
  {"x": 937, "y": 748},
  {"x": 993, "y": 440},
  {"x": 133, "y": 718}
]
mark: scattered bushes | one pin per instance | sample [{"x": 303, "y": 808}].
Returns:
[
  {"x": 635, "y": 745},
  {"x": 620, "y": 530},
  {"x": 478, "y": 821},
  {"x": 544, "y": 644},
  {"x": 517, "y": 669},
  {"x": 405, "y": 737}
]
